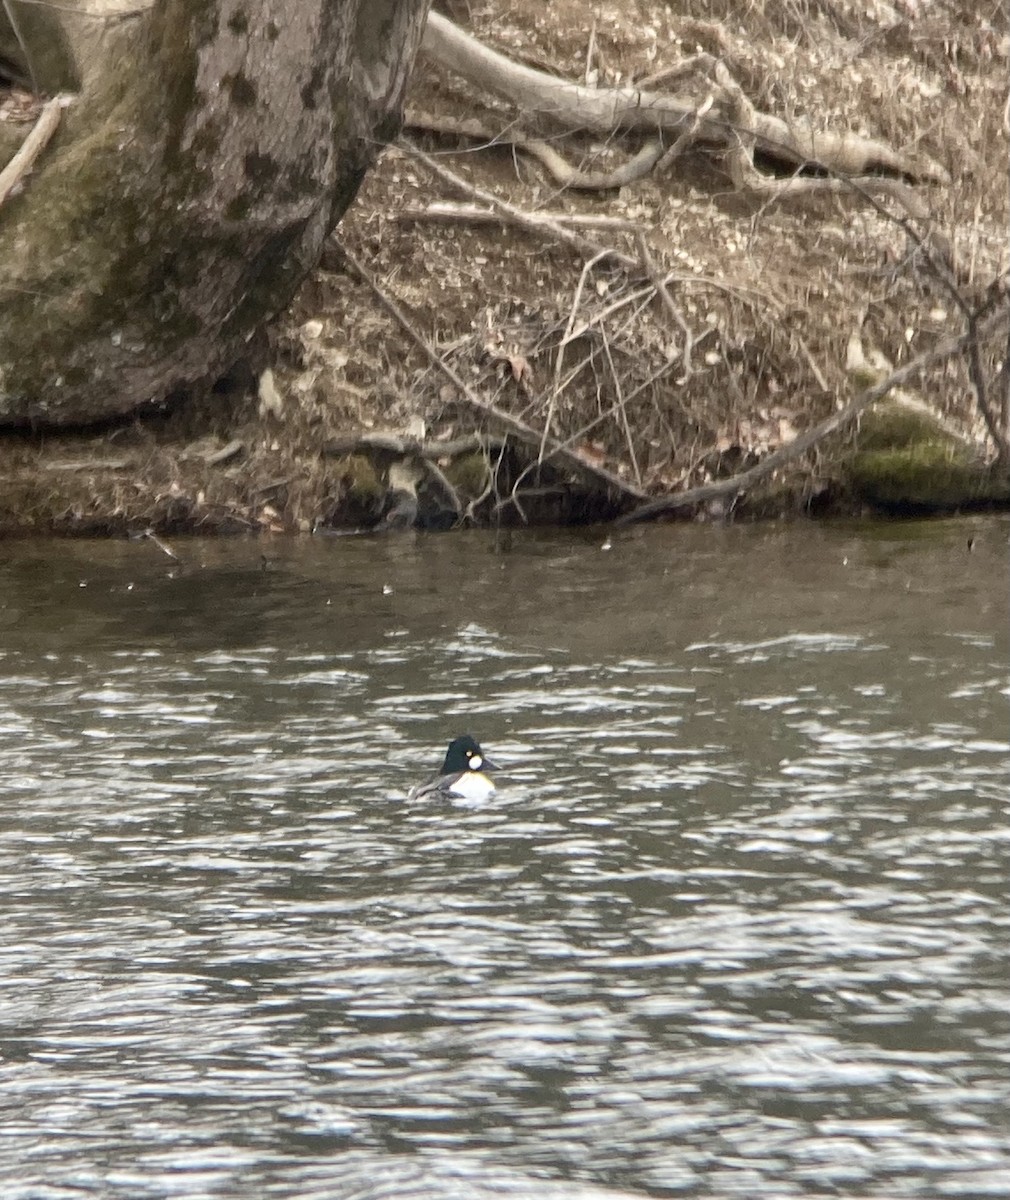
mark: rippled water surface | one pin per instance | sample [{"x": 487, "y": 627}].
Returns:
[{"x": 735, "y": 924}]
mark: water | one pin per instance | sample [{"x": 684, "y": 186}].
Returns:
[{"x": 736, "y": 923}]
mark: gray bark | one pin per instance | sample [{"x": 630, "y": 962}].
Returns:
[{"x": 210, "y": 149}]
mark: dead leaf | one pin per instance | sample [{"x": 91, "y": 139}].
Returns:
[{"x": 592, "y": 452}]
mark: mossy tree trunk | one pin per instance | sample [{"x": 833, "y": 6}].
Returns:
[{"x": 209, "y": 150}]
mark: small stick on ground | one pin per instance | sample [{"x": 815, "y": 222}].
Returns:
[
  {"x": 392, "y": 443},
  {"x": 151, "y": 536},
  {"x": 33, "y": 145},
  {"x": 89, "y": 464}
]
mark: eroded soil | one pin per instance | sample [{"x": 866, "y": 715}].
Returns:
[{"x": 765, "y": 296}]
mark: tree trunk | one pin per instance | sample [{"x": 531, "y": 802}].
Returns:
[{"x": 208, "y": 153}]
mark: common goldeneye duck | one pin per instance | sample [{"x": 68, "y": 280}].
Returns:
[{"x": 462, "y": 773}]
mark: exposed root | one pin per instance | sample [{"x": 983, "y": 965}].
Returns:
[
  {"x": 558, "y": 168},
  {"x": 603, "y": 110},
  {"x": 625, "y": 343}
]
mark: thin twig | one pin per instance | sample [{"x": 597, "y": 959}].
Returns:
[
  {"x": 560, "y": 357},
  {"x": 590, "y": 51},
  {"x": 686, "y": 137},
  {"x": 490, "y": 486},
  {"x": 436, "y": 472},
  {"x": 622, "y": 409},
  {"x": 651, "y": 270},
  {"x": 652, "y": 378},
  {"x": 822, "y": 383}
]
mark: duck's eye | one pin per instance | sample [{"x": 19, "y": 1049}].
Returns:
[{"x": 475, "y": 762}]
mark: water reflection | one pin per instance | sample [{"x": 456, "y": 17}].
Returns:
[{"x": 736, "y": 924}]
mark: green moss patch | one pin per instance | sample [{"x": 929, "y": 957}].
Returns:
[{"x": 930, "y": 476}]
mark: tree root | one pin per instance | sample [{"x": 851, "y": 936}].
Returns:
[
  {"x": 560, "y": 171},
  {"x": 604, "y": 110}
]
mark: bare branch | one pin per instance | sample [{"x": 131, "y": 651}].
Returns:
[{"x": 737, "y": 484}]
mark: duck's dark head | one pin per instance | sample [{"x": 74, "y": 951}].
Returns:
[{"x": 464, "y": 754}]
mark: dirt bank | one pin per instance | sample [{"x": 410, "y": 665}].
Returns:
[{"x": 746, "y": 342}]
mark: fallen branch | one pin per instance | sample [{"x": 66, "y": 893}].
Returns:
[
  {"x": 88, "y": 464},
  {"x": 733, "y": 486},
  {"x": 472, "y": 214},
  {"x": 404, "y": 447}
]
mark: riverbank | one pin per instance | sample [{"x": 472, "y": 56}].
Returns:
[{"x": 730, "y": 334}]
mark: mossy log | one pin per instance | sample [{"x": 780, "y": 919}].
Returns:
[{"x": 208, "y": 152}]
